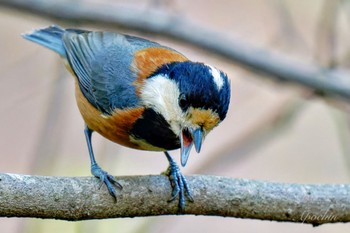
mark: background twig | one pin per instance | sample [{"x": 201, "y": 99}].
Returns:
[{"x": 160, "y": 22}]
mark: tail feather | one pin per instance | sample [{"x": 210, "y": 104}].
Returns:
[{"x": 50, "y": 37}]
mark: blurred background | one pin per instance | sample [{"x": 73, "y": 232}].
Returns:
[{"x": 274, "y": 131}]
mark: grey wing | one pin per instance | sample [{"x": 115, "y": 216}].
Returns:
[{"x": 101, "y": 62}]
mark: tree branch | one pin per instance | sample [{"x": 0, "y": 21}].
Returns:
[
  {"x": 79, "y": 198},
  {"x": 152, "y": 20}
]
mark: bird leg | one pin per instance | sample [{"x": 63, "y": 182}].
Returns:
[
  {"x": 178, "y": 183},
  {"x": 97, "y": 171}
]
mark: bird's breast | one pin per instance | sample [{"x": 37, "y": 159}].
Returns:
[
  {"x": 138, "y": 128},
  {"x": 114, "y": 127}
]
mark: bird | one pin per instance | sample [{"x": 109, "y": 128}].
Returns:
[{"x": 140, "y": 94}]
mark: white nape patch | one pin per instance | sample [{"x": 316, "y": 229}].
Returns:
[
  {"x": 218, "y": 80},
  {"x": 162, "y": 94}
]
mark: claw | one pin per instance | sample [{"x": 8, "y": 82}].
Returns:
[
  {"x": 178, "y": 183},
  {"x": 106, "y": 179}
]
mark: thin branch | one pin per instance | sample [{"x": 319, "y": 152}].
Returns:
[
  {"x": 321, "y": 80},
  {"x": 326, "y": 33},
  {"x": 79, "y": 198},
  {"x": 288, "y": 34},
  {"x": 268, "y": 128}
]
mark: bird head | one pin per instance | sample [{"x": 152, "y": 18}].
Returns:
[{"x": 192, "y": 97}]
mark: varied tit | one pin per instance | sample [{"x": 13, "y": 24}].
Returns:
[{"x": 140, "y": 94}]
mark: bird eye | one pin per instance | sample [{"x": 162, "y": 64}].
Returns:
[{"x": 183, "y": 102}]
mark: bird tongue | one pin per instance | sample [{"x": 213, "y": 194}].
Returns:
[{"x": 186, "y": 141}]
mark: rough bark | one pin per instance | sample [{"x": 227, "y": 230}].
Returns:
[{"x": 79, "y": 198}]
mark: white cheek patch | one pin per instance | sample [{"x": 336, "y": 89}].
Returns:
[
  {"x": 218, "y": 80},
  {"x": 161, "y": 94}
]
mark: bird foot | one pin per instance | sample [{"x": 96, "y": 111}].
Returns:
[
  {"x": 106, "y": 179},
  {"x": 179, "y": 185}
]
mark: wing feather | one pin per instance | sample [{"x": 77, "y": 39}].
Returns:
[{"x": 102, "y": 61}]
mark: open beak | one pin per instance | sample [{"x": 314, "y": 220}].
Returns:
[{"x": 189, "y": 137}]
